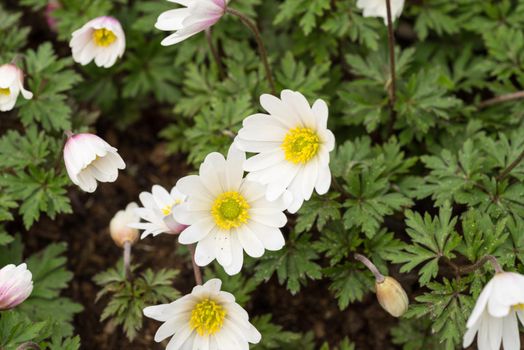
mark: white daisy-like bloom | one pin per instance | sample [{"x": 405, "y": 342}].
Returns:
[
  {"x": 377, "y": 8},
  {"x": 228, "y": 214},
  {"x": 89, "y": 159},
  {"x": 193, "y": 18},
  {"x": 494, "y": 318},
  {"x": 206, "y": 319},
  {"x": 293, "y": 145},
  {"x": 101, "y": 39},
  {"x": 16, "y": 284},
  {"x": 118, "y": 226},
  {"x": 157, "y": 211},
  {"x": 11, "y": 85}
]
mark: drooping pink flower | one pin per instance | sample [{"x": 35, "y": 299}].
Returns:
[
  {"x": 192, "y": 19},
  {"x": 16, "y": 285},
  {"x": 52, "y": 5},
  {"x": 11, "y": 85},
  {"x": 89, "y": 159}
]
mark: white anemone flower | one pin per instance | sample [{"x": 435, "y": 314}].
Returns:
[
  {"x": 16, "y": 284},
  {"x": 118, "y": 226},
  {"x": 206, "y": 319},
  {"x": 11, "y": 85},
  {"x": 192, "y": 19},
  {"x": 89, "y": 159},
  {"x": 293, "y": 145},
  {"x": 494, "y": 318},
  {"x": 101, "y": 39},
  {"x": 377, "y": 8},
  {"x": 228, "y": 214},
  {"x": 157, "y": 211}
]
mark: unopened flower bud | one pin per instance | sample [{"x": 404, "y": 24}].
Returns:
[
  {"x": 392, "y": 296},
  {"x": 119, "y": 229},
  {"x": 16, "y": 285},
  {"x": 89, "y": 159}
]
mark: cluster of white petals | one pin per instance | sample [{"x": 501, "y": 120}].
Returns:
[
  {"x": 205, "y": 319},
  {"x": 157, "y": 211},
  {"x": 11, "y": 85},
  {"x": 378, "y": 8},
  {"x": 194, "y": 17},
  {"x": 494, "y": 318},
  {"x": 228, "y": 214},
  {"x": 89, "y": 159},
  {"x": 16, "y": 284},
  {"x": 101, "y": 39},
  {"x": 292, "y": 143}
]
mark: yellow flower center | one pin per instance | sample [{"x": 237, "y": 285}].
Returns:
[
  {"x": 103, "y": 37},
  {"x": 5, "y": 91},
  {"x": 300, "y": 145},
  {"x": 207, "y": 317},
  {"x": 518, "y": 307},
  {"x": 229, "y": 210},
  {"x": 168, "y": 208}
]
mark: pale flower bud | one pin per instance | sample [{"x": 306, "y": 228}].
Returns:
[
  {"x": 16, "y": 285},
  {"x": 11, "y": 85},
  {"x": 119, "y": 229},
  {"x": 89, "y": 159},
  {"x": 392, "y": 296}
]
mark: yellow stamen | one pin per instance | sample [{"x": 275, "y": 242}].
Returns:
[
  {"x": 5, "y": 91},
  {"x": 300, "y": 145},
  {"x": 207, "y": 317},
  {"x": 230, "y": 210},
  {"x": 168, "y": 208},
  {"x": 104, "y": 37},
  {"x": 518, "y": 307}
]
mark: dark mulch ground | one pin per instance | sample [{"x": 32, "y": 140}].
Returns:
[{"x": 91, "y": 250}]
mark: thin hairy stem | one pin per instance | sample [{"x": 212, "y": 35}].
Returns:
[
  {"x": 503, "y": 98},
  {"x": 28, "y": 345},
  {"x": 510, "y": 167},
  {"x": 379, "y": 278},
  {"x": 473, "y": 267},
  {"x": 127, "y": 260},
  {"x": 261, "y": 48},
  {"x": 196, "y": 268},
  {"x": 392, "y": 88},
  {"x": 215, "y": 54}
]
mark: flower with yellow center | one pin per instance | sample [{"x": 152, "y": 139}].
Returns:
[
  {"x": 205, "y": 319},
  {"x": 101, "y": 39},
  {"x": 495, "y": 317},
  {"x": 230, "y": 210},
  {"x": 11, "y": 85},
  {"x": 227, "y": 214},
  {"x": 292, "y": 143},
  {"x": 157, "y": 211}
]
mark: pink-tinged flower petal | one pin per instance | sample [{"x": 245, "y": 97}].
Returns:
[
  {"x": 88, "y": 158},
  {"x": 16, "y": 285}
]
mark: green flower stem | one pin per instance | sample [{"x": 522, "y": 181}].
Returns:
[
  {"x": 261, "y": 48},
  {"x": 196, "y": 268},
  {"x": 215, "y": 53},
  {"x": 379, "y": 278}
]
